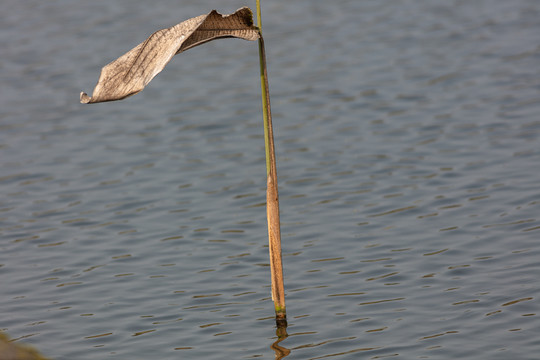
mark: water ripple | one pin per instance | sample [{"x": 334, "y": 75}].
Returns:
[{"x": 408, "y": 183}]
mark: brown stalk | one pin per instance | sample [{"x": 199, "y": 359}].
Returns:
[{"x": 272, "y": 197}]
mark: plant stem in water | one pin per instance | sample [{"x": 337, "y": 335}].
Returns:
[{"x": 272, "y": 197}]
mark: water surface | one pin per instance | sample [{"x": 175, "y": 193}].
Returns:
[{"x": 407, "y": 137}]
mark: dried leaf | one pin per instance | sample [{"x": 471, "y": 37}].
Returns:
[{"x": 131, "y": 72}]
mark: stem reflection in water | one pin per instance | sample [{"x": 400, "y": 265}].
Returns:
[{"x": 280, "y": 351}]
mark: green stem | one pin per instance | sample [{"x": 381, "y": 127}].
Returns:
[
  {"x": 267, "y": 115},
  {"x": 259, "y": 22},
  {"x": 265, "y": 97}
]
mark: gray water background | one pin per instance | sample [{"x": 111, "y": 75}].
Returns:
[{"x": 407, "y": 136}]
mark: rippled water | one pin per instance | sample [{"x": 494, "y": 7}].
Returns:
[{"x": 407, "y": 135}]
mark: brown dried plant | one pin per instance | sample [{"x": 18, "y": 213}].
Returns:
[{"x": 131, "y": 72}]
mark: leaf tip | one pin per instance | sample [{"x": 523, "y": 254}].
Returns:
[{"x": 85, "y": 99}]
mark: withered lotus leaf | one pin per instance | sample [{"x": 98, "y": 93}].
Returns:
[{"x": 131, "y": 72}]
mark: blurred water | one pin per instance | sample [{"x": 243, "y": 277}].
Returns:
[{"x": 407, "y": 135}]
